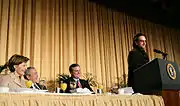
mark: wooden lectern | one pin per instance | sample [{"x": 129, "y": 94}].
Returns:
[{"x": 159, "y": 77}]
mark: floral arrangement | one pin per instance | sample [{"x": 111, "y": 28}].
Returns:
[
  {"x": 91, "y": 79},
  {"x": 87, "y": 76},
  {"x": 62, "y": 77},
  {"x": 122, "y": 81}
]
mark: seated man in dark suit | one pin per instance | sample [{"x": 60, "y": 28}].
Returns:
[
  {"x": 32, "y": 75},
  {"x": 74, "y": 70}
]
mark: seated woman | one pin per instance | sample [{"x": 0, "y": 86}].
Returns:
[{"x": 17, "y": 65}]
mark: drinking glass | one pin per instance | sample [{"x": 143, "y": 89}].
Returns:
[{"x": 72, "y": 85}]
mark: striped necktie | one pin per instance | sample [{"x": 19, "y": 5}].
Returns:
[
  {"x": 79, "y": 84},
  {"x": 36, "y": 86}
]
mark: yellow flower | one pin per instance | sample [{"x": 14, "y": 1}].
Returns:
[
  {"x": 100, "y": 86},
  {"x": 28, "y": 84}
]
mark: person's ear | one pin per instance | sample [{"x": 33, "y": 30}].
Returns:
[
  {"x": 136, "y": 42},
  {"x": 28, "y": 77},
  {"x": 15, "y": 66}
]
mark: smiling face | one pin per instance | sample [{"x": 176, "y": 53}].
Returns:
[
  {"x": 141, "y": 42},
  {"x": 33, "y": 75},
  {"x": 76, "y": 72},
  {"x": 20, "y": 69}
]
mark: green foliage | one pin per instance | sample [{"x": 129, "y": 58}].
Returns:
[
  {"x": 122, "y": 81},
  {"x": 62, "y": 77},
  {"x": 91, "y": 79}
]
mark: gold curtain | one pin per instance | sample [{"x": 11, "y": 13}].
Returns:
[{"x": 57, "y": 33}]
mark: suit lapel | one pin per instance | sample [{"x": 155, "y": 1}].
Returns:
[
  {"x": 82, "y": 83},
  {"x": 16, "y": 79},
  {"x": 71, "y": 79}
]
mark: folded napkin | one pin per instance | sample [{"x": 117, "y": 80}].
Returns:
[{"x": 81, "y": 90}]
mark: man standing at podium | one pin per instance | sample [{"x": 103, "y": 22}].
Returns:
[{"x": 137, "y": 56}]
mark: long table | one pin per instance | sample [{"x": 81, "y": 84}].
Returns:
[{"x": 53, "y": 99}]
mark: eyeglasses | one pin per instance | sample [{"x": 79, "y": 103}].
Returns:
[{"x": 142, "y": 40}]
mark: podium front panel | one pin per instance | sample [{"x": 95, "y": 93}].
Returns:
[{"x": 154, "y": 77}]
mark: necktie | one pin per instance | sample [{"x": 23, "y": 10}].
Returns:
[
  {"x": 36, "y": 86},
  {"x": 79, "y": 84}
]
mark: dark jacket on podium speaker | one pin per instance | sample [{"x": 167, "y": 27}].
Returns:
[{"x": 137, "y": 56}]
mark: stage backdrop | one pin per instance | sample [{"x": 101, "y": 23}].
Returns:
[{"x": 57, "y": 33}]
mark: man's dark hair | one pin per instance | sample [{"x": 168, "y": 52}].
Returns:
[
  {"x": 136, "y": 38},
  {"x": 72, "y": 66}
]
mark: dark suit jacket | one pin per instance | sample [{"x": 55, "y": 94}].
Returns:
[
  {"x": 40, "y": 86},
  {"x": 136, "y": 58},
  {"x": 84, "y": 84}
]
